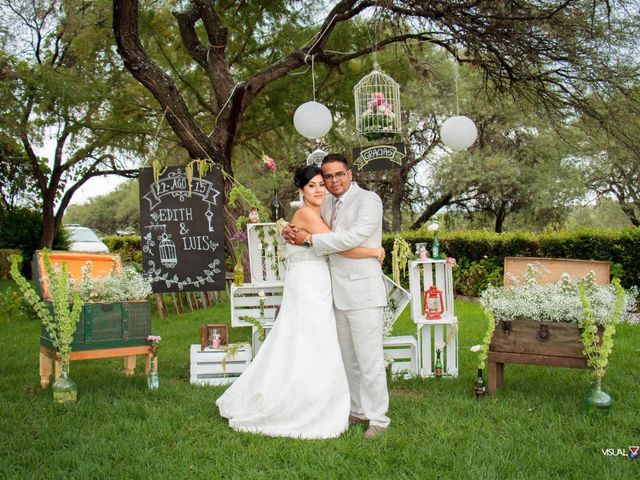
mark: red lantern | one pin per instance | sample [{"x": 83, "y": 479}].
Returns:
[{"x": 433, "y": 303}]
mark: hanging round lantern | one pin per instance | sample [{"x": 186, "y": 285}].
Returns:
[
  {"x": 316, "y": 157},
  {"x": 167, "y": 252},
  {"x": 459, "y": 132},
  {"x": 312, "y": 120},
  {"x": 377, "y": 97}
]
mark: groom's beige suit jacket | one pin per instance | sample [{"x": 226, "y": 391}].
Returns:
[{"x": 357, "y": 283}]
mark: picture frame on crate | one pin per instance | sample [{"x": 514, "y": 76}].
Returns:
[{"x": 214, "y": 335}]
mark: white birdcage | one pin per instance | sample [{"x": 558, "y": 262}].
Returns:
[
  {"x": 377, "y": 98},
  {"x": 316, "y": 157}
]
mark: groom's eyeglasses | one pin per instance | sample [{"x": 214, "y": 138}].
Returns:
[{"x": 337, "y": 176}]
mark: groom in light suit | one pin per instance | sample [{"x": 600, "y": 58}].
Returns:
[{"x": 359, "y": 294}]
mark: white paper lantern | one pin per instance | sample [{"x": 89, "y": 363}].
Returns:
[
  {"x": 312, "y": 120},
  {"x": 458, "y": 133}
]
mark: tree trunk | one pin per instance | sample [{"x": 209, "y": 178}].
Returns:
[
  {"x": 431, "y": 210},
  {"x": 48, "y": 223},
  {"x": 501, "y": 214},
  {"x": 630, "y": 210}
]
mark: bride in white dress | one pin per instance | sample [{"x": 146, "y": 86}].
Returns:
[{"x": 296, "y": 386}]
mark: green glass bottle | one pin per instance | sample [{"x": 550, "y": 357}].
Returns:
[
  {"x": 438, "y": 365},
  {"x": 435, "y": 248},
  {"x": 598, "y": 402},
  {"x": 479, "y": 388},
  {"x": 238, "y": 274},
  {"x": 64, "y": 389}
]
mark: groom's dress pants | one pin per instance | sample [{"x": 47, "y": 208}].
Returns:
[{"x": 360, "y": 338}]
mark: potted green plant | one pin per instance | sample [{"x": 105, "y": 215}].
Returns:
[{"x": 60, "y": 322}]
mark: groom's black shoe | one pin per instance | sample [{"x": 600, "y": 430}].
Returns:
[{"x": 353, "y": 420}]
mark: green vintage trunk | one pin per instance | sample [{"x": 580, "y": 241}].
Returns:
[
  {"x": 101, "y": 325},
  {"x": 108, "y": 325}
]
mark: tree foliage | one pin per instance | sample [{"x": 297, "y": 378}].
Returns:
[
  {"x": 66, "y": 100},
  {"x": 551, "y": 54}
]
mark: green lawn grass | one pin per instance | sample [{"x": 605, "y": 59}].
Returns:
[{"x": 534, "y": 428}]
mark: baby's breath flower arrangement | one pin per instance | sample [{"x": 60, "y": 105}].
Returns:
[
  {"x": 121, "y": 285},
  {"x": 554, "y": 302}
]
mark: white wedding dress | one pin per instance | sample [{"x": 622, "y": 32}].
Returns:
[{"x": 296, "y": 386}]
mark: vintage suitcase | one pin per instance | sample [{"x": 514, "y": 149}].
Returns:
[{"x": 101, "y": 325}]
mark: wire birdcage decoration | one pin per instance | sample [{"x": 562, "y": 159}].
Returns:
[
  {"x": 377, "y": 98},
  {"x": 167, "y": 252},
  {"x": 316, "y": 157}
]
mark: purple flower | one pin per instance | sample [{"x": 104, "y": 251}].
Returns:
[{"x": 239, "y": 237}]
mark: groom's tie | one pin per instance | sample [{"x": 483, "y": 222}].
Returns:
[{"x": 334, "y": 212}]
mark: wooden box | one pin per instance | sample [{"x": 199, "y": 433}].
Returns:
[
  {"x": 207, "y": 365},
  {"x": 403, "y": 351},
  {"x": 265, "y": 260},
  {"x": 246, "y": 302},
  {"x": 532, "y": 342},
  {"x": 101, "y": 325},
  {"x": 422, "y": 275},
  {"x": 256, "y": 343},
  {"x": 397, "y": 297}
]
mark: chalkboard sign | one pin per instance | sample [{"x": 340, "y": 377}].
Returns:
[
  {"x": 182, "y": 231},
  {"x": 379, "y": 157}
]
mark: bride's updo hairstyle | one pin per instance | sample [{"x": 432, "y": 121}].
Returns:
[{"x": 304, "y": 174}]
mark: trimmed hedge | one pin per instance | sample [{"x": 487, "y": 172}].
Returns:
[
  {"x": 480, "y": 254},
  {"x": 129, "y": 247}
]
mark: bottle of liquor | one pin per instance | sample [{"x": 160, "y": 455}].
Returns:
[
  {"x": 438, "y": 365},
  {"x": 276, "y": 207},
  {"x": 435, "y": 247},
  {"x": 479, "y": 388}
]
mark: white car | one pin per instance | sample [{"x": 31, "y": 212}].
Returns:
[{"x": 83, "y": 239}]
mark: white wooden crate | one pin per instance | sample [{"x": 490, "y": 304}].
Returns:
[
  {"x": 397, "y": 298},
  {"x": 264, "y": 249},
  {"x": 403, "y": 351},
  {"x": 206, "y": 365},
  {"x": 256, "y": 343},
  {"x": 422, "y": 275},
  {"x": 430, "y": 333},
  {"x": 245, "y": 301}
]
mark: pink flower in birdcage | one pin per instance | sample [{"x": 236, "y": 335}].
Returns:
[
  {"x": 269, "y": 163},
  {"x": 377, "y": 99},
  {"x": 451, "y": 261}
]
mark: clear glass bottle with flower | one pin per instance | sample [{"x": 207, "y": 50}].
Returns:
[{"x": 153, "y": 380}]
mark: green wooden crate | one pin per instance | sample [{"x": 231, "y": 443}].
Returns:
[
  {"x": 101, "y": 325},
  {"x": 108, "y": 325}
]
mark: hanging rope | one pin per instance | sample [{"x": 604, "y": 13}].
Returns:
[
  {"x": 457, "y": 98},
  {"x": 313, "y": 77}
]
